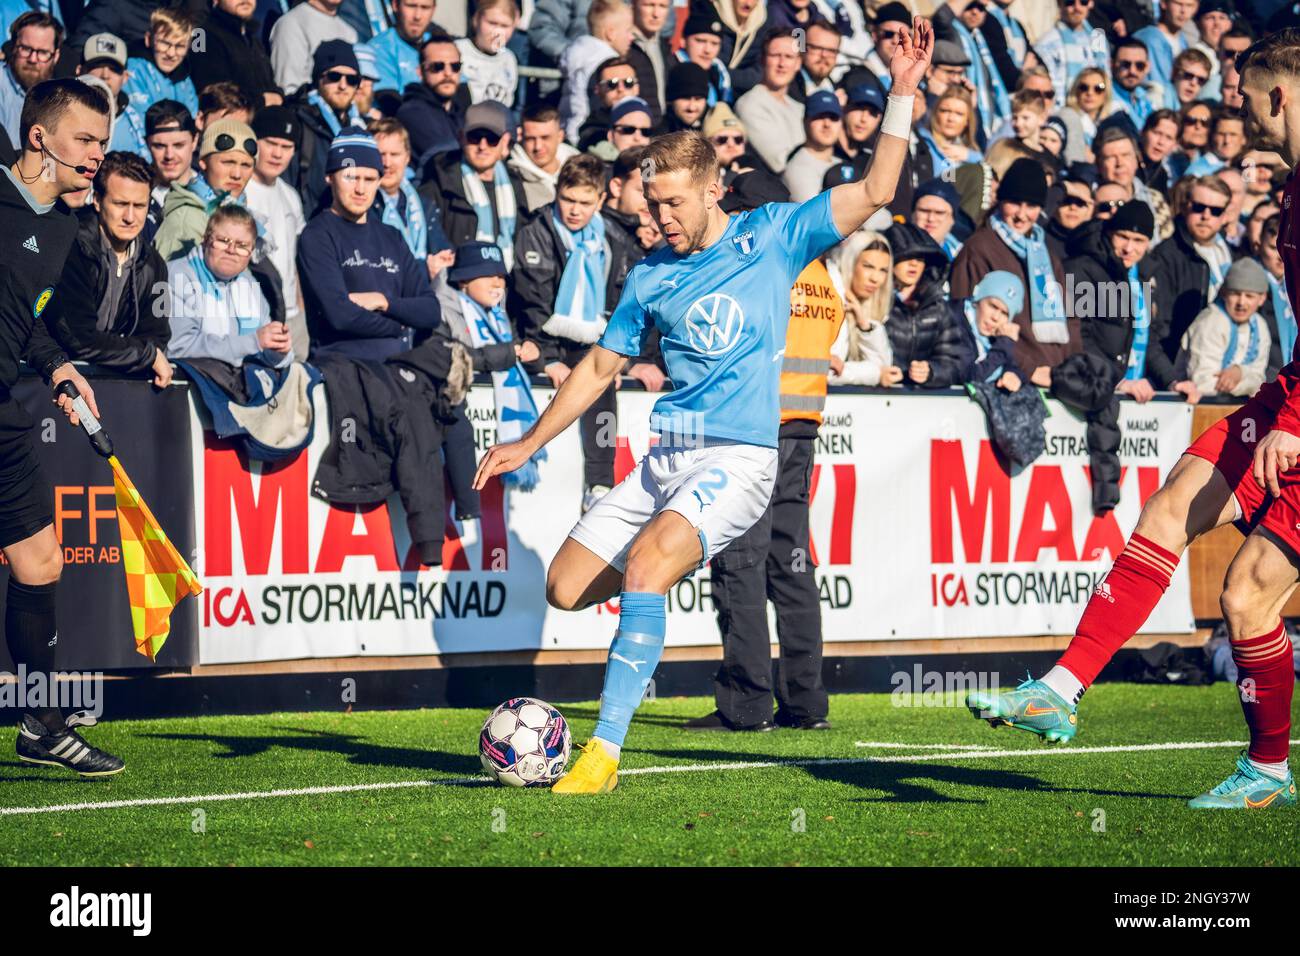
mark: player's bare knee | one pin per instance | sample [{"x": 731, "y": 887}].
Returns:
[
  {"x": 46, "y": 568},
  {"x": 1248, "y": 600},
  {"x": 561, "y": 594}
]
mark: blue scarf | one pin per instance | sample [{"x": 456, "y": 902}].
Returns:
[
  {"x": 580, "y": 301},
  {"x": 1137, "y": 356},
  {"x": 377, "y": 14},
  {"x": 993, "y": 99},
  {"x": 210, "y": 285},
  {"x": 412, "y": 226},
  {"x": 1137, "y": 104},
  {"x": 982, "y": 343},
  {"x": 1286, "y": 321},
  {"x": 719, "y": 80},
  {"x": 941, "y": 162},
  {"x": 327, "y": 114},
  {"x": 1047, "y": 311},
  {"x": 476, "y": 193},
  {"x": 1252, "y": 345},
  {"x": 1017, "y": 41},
  {"x": 516, "y": 407},
  {"x": 951, "y": 246}
]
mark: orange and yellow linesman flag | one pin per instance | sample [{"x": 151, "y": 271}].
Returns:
[{"x": 157, "y": 577}]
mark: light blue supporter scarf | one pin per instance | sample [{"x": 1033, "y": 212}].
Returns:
[
  {"x": 1137, "y": 356},
  {"x": 1017, "y": 41},
  {"x": 515, "y": 405},
  {"x": 982, "y": 343},
  {"x": 476, "y": 193},
  {"x": 327, "y": 114},
  {"x": 1137, "y": 104},
  {"x": 1047, "y": 310},
  {"x": 1286, "y": 320},
  {"x": 412, "y": 226},
  {"x": 218, "y": 289},
  {"x": 1252, "y": 344},
  {"x": 580, "y": 301},
  {"x": 951, "y": 246},
  {"x": 994, "y": 100}
]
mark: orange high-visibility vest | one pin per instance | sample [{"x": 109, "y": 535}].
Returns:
[{"x": 816, "y": 314}]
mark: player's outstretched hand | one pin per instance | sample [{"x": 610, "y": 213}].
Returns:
[
  {"x": 911, "y": 57},
  {"x": 1276, "y": 454},
  {"x": 500, "y": 459},
  {"x": 67, "y": 372}
]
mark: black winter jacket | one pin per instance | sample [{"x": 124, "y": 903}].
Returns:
[
  {"x": 233, "y": 50},
  {"x": 1000, "y": 357},
  {"x": 1182, "y": 289},
  {"x": 434, "y": 128},
  {"x": 141, "y": 327},
  {"x": 306, "y": 173},
  {"x": 923, "y": 330},
  {"x": 443, "y": 185}
]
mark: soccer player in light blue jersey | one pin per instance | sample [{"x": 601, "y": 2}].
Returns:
[{"x": 719, "y": 294}]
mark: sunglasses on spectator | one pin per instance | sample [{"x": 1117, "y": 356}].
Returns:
[
  {"x": 1074, "y": 201},
  {"x": 225, "y": 142},
  {"x": 625, "y": 129},
  {"x": 626, "y": 83},
  {"x": 887, "y": 34},
  {"x": 1091, "y": 88},
  {"x": 334, "y": 76},
  {"x": 833, "y": 50},
  {"x": 437, "y": 66},
  {"x": 1200, "y": 208},
  {"x": 232, "y": 245},
  {"x": 1078, "y": 3},
  {"x": 31, "y": 53},
  {"x": 1125, "y": 65},
  {"x": 477, "y": 136},
  {"x": 1110, "y": 205},
  {"x": 1196, "y": 121},
  {"x": 722, "y": 139},
  {"x": 1196, "y": 78}
]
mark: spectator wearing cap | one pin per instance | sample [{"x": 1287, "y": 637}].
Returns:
[
  {"x": 277, "y": 207},
  {"x": 1159, "y": 138},
  {"x": 702, "y": 44},
  {"x": 490, "y": 70},
  {"x": 1214, "y": 19},
  {"x": 612, "y": 82},
  {"x": 609, "y": 24},
  {"x": 561, "y": 296},
  {"x": 477, "y": 195},
  {"x": 890, "y": 21},
  {"x": 726, "y": 134},
  {"x": 948, "y": 136},
  {"x": 298, "y": 34},
  {"x": 823, "y": 124},
  {"x": 1053, "y": 137},
  {"x": 864, "y": 105},
  {"x": 397, "y": 50},
  {"x": 864, "y": 270},
  {"x": 947, "y": 70},
  {"x": 1228, "y": 344},
  {"x": 433, "y": 110},
  {"x": 1073, "y": 44},
  {"x": 226, "y": 157},
  {"x": 369, "y": 70},
  {"x": 687, "y": 98},
  {"x": 233, "y": 51},
  {"x": 324, "y": 108},
  {"x": 218, "y": 310},
  {"x": 991, "y": 335},
  {"x": 741, "y": 23},
  {"x": 935, "y": 208},
  {"x": 104, "y": 57},
  {"x": 992, "y": 99},
  {"x": 773, "y": 118},
  {"x": 1013, "y": 241},
  {"x": 364, "y": 292},
  {"x": 629, "y": 128},
  {"x": 35, "y": 43},
  {"x": 111, "y": 307},
  {"x": 929, "y": 345},
  {"x": 171, "y": 139},
  {"x": 1137, "y": 97},
  {"x": 399, "y": 205},
  {"x": 1165, "y": 40},
  {"x": 537, "y": 157},
  {"x": 162, "y": 75}
]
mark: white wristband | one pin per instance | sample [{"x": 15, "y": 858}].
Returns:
[{"x": 898, "y": 117}]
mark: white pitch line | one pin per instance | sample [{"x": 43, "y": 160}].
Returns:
[
  {"x": 636, "y": 771},
  {"x": 874, "y": 744}
]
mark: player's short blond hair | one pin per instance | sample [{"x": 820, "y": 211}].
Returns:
[
  {"x": 685, "y": 150},
  {"x": 169, "y": 22},
  {"x": 1276, "y": 53}
]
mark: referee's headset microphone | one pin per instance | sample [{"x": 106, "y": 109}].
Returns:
[{"x": 77, "y": 168}]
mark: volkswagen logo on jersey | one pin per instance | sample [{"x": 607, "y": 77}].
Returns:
[{"x": 714, "y": 323}]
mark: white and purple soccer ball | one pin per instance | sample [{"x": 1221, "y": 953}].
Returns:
[{"x": 525, "y": 743}]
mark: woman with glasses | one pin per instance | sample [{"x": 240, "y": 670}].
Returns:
[
  {"x": 1193, "y": 136},
  {"x": 1089, "y": 103},
  {"x": 217, "y": 307}
]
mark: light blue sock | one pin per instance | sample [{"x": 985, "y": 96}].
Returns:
[{"x": 633, "y": 657}]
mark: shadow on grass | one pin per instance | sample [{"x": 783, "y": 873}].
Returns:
[
  {"x": 33, "y": 773},
  {"x": 356, "y": 750}
]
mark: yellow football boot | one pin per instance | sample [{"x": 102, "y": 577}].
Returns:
[{"x": 594, "y": 772}]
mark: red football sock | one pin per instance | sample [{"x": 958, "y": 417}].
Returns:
[
  {"x": 1120, "y": 605},
  {"x": 1266, "y": 662}
]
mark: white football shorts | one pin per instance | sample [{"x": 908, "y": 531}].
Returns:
[{"x": 722, "y": 490}]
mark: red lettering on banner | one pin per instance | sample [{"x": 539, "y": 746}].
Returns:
[
  {"x": 1103, "y": 532},
  {"x": 846, "y": 491},
  {"x": 220, "y": 607},
  {"x": 1148, "y": 482},
  {"x": 941, "y": 589},
  {"x": 950, "y": 489},
  {"x": 813, "y": 483},
  {"x": 340, "y": 539},
  {"x": 1047, "y": 492},
  {"x": 282, "y": 490},
  {"x": 492, "y": 526}
]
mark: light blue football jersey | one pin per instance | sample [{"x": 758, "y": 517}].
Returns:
[{"x": 722, "y": 314}]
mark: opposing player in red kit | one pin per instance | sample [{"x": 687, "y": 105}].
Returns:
[{"x": 1241, "y": 470}]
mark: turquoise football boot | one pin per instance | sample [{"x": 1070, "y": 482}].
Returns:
[
  {"x": 1033, "y": 706},
  {"x": 1248, "y": 789}
]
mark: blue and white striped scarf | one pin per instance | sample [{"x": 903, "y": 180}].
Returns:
[
  {"x": 476, "y": 193},
  {"x": 1218, "y": 257},
  {"x": 580, "y": 301},
  {"x": 412, "y": 225},
  {"x": 719, "y": 80},
  {"x": 214, "y": 200},
  {"x": 1252, "y": 345},
  {"x": 1047, "y": 310},
  {"x": 992, "y": 98},
  {"x": 1286, "y": 320},
  {"x": 951, "y": 246},
  {"x": 1137, "y": 356},
  {"x": 941, "y": 162},
  {"x": 331, "y": 120},
  {"x": 1017, "y": 41},
  {"x": 515, "y": 405},
  {"x": 1137, "y": 103},
  {"x": 377, "y": 14}
]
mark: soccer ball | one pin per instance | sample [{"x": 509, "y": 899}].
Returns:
[{"x": 525, "y": 743}]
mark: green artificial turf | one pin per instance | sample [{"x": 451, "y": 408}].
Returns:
[{"x": 1025, "y": 809}]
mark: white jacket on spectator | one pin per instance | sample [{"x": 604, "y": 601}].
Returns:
[
  {"x": 212, "y": 318},
  {"x": 579, "y": 61},
  {"x": 870, "y": 345},
  {"x": 294, "y": 40},
  {"x": 489, "y": 76},
  {"x": 1206, "y": 342}
]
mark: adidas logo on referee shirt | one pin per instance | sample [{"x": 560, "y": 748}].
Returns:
[{"x": 31, "y": 246}]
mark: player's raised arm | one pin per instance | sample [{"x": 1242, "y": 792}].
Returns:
[
  {"x": 852, "y": 204},
  {"x": 587, "y": 382}
]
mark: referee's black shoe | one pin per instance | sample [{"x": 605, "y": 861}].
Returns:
[
  {"x": 715, "y": 721},
  {"x": 66, "y": 749},
  {"x": 784, "y": 719}
]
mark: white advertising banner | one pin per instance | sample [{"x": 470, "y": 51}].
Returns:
[{"x": 917, "y": 532}]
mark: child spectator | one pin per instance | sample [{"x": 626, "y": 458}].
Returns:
[
  {"x": 986, "y": 315},
  {"x": 490, "y": 70},
  {"x": 861, "y": 354},
  {"x": 609, "y": 23},
  {"x": 217, "y": 307},
  {"x": 1228, "y": 343},
  {"x": 929, "y": 345},
  {"x": 1028, "y": 114},
  {"x": 163, "y": 75}
]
